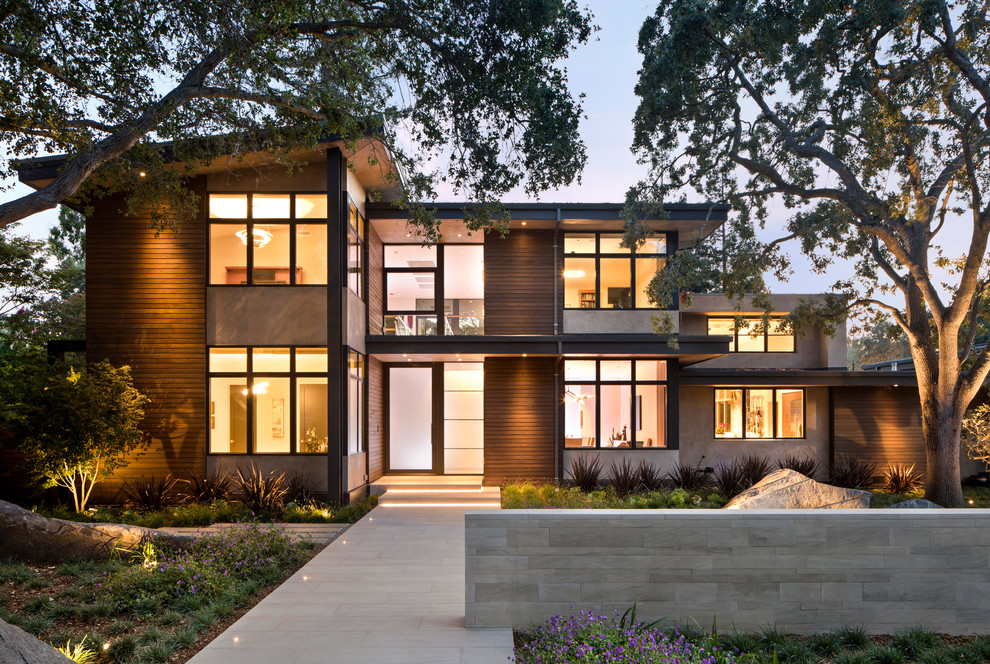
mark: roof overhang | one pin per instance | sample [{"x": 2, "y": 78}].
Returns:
[
  {"x": 795, "y": 377},
  {"x": 689, "y": 220},
  {"x": 690, "y": 350}
]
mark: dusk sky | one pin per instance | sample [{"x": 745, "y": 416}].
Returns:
[{"x": 605, "y": 70}]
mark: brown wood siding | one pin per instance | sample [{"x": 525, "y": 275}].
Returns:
[
  {"x": 376, "y": 419},
  {"x": 146, "y": 308},
  {"x": 519, "y": 275},
  {"x": 881, "y": 424},
  {"x": 376, "y": 288},
  {"x": 519, "y": 410}
]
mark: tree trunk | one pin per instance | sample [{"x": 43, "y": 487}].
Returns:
[{"x": 943, "y": 484}]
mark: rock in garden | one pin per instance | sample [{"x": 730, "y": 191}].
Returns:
[
  {"x": 28, "y": 536},
  {"x": 916, "y": 503},
  {"x": 19, "y": 647},
  {"x": 788, "y": 489}
]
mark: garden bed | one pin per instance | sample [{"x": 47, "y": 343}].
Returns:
[
  {"x": 162, "y": 606},
  {"x": 593, "y": 639}
]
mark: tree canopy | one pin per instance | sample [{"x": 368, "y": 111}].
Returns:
[
  {"x": 868, "y": 122},
  {"x": 471, "y": 85}
]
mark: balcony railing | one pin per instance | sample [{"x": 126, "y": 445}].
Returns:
[{"x": 426, "y": 324}]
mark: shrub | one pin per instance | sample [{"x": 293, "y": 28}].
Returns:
[
  {"x": 730, "y": 479},
  {"x": 852, "y": 638},
  {"x": 625, "y": 478},
  {"x": 852, "y": 472},
  {"x": 209, "y": 488},
  {"x": 650, "y": 476},
  {"x": 586, "y": 472},
  {"x": 806, "y": 465},
  {"x": 901, "y": 478},
  {"x": 755, "y": 468},
  {"x": 260, "y": 492},
  {"x": 152, "y": 493},
  {"x": 915, "y": 640},
  {"x": 299, "y": 489},
  {"x": 689, "y": 478}
]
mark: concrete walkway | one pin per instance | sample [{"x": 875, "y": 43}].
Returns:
[{"x": 389, "y": 590}]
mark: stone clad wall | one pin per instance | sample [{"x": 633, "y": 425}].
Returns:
[{"x": 802, "y": 570}]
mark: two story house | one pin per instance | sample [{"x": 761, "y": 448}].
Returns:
[{"x": 298, "y": 323}]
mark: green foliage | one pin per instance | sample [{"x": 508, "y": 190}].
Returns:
[
  {"x": 586, "y": 472},
  {"x": 262, "y": 492},
  {"x": 976, "y": 434},
  {"x": 549, "y": 496},
  {"x": 901, "y": 478},
  {"x": 883, "y": 341},
  {"x": 913, "y": 641},
  {"x": 852, "y": 472},
  {"x": 15, "y": 572},
  {"x": 865, "y": 122},
  {"x": 73, "y": 429},
  {"x": 477, "y": 85},
  {"x": 153, "y": 493},
  {"x": 80, "y": 653},
  {"x": 853, "y": 637}
]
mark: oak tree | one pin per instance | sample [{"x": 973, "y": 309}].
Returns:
[
  {"x": 868, "y": 123},
  {"x": 471, "y": 91}
]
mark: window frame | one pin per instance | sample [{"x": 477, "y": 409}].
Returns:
[
  {"x": 734, "y": 346},
  {"x": 439, "y": 272},
  {"x": 359, "y": 236},
  {"x": 776, "y": 425},
  {"x": 360, "y": 377},
  {"x": 249, "y": 377},
  {"x": 632, "y": 383},
  {"x": 249, "y": 222},
  {"x": 631, "y": 254}
]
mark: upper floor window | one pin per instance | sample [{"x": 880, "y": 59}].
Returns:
[
  {"x": 752, "y": 336},
  {"x": 355, "y": 251},
  {"x": 759, "y": 413},
  {"x": 425, "y": 285},
  {"x": 601, "y": 274},
  {"x": 268, "y": 239}
]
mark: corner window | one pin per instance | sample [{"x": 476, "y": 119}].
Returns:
[
  {"x": 749, "y": 338},
  {"x": 256, "y": 240},
  {"x": 600, "y": 274},
  {"x": 759, "y": 413},
  {"x": 268, "y": 400},
  {"x": 615, "y": 404}
]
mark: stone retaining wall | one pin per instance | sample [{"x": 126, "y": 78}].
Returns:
[{"x": 801, "y": 570}]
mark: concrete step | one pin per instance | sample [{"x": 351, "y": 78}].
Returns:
[
  {"x": 479, "y": 496},
  {"x": 426, "y": 482}
]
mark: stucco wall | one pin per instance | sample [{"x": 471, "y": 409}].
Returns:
[
  {"x": 613, "y": 321},
  {"x": 698, "y": 445},
  {"x": 272, "y": 177},
  {"x": 266, "y": 315},
  {"x": 802, "y": 571},
  {"x": 310, "y": 469},
  {"x": 664, "y": 460}
]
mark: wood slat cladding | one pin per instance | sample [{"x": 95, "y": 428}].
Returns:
[
  {"x": 519, "y": 275},
  {"x": 376, "y": 286},
  {"x": 519, "y": 412},
  {"x": 376, "y": 417},
  {"x": 881, "y": 424},
  {"x": 146, "y": 308}
]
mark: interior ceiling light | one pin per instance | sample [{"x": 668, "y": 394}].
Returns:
[
  {"x": 574, "y": 273},
  {"x": 257, "y": 388},
  {"x": 259, "y": 237}
]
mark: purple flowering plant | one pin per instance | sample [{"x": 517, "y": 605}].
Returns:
[{"x": 589, "y": 639}]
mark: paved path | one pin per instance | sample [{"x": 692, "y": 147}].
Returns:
[
  {"x": 390, "y": 590},
  {"x": 321, "y": 533}
]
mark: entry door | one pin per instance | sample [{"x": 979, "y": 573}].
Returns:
[{"x": 410, "y": 419}]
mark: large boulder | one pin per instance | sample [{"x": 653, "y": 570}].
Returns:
[
  {"x": 917, "y": 504},
  {"x": 789, "y": 489},
  {"x": 19, "y": 647},
  {"x": 28, "y": 536}
]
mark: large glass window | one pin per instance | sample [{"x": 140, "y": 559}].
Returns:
[
  {"x": 255, "y": 240},
  {"x": 600, "y": 274},
  {"x": 752, "y": 336},
  {"x": 759, "y": 413},
  {"x": 419, "y": 279},
  {"x": 355, "y": 402},
  {"x": 355, "y": 251},
  {"x": 268, "y": 400},
  {"x": 611, "y": 404}
]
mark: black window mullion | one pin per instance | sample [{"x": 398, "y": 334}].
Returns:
[
  {"x": 249, "y": 240},
  {"x": 292, "y": 240},
  {"x": 744, "y": 406},
  {"x": 438, "y": 295}
]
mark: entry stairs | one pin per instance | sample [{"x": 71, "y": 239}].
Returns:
[{"x": 435, "y": 491}]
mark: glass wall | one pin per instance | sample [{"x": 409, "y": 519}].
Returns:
[
  {"x": 759, "y": 413},
  {"x": 615, "y": 403},
  {"x": 268, "y": 400},
  {"x": 355, "y": 402},
  {"x": 355, "y": 251},
  {"x": 463, "y": 418},
  {"x": 418, "y": 279},
  {"x": 600, "y": 274},
  {"x": 255, "y": 240}
]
